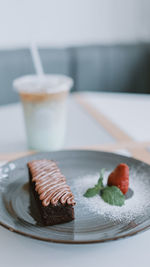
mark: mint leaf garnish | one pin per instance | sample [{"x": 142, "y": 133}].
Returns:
[
  {"x": 100, "y": 180},
  {"x": 113, "y": 196},
  {"x": 91, "y": 192}
]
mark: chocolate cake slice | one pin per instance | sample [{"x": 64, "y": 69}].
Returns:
[{"x": 51, "y": 199}]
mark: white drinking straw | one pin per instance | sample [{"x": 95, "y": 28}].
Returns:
[{"x": 36, "y": 60}]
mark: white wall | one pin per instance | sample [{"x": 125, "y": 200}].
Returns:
[{"x": 65, "y": 22}]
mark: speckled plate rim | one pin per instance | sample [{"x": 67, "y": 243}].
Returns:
[{"x": 142, "y": 229}]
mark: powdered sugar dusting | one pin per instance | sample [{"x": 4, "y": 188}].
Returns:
[{"x": 137, "y": 205}]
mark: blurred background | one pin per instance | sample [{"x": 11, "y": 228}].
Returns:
[{"x": 102, "y": 44}]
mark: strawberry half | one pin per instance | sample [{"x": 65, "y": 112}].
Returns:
[{"x": 120, "y": 177}]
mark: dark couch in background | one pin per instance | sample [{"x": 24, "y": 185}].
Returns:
[{"x": 108, "y": 68}]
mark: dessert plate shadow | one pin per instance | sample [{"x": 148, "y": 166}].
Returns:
[{"x": 88, "y": 226}]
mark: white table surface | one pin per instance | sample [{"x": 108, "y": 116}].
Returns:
[
  {"x": 131, "y": 112},
  {"x": 16, "y": 250}
]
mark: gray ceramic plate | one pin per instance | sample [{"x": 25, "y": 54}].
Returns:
[{"x": 89, "y": 225}]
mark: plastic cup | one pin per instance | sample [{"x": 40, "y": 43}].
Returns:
[{"x": 44, "y": 100}]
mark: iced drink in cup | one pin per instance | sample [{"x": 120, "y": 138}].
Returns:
[{"x": 44, "y": 102}]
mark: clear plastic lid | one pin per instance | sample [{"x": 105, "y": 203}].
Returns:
[{"x": 47, "y": 84}]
